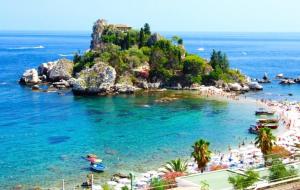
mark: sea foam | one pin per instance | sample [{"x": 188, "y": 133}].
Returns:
[
  {"x": 65, "y": 55},
  {"x": 27, "y": 47}
]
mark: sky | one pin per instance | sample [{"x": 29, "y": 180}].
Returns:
[{"x": 162, "y": 15}]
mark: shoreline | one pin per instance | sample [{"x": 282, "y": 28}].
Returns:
[
  {"x": 211, "y": 93},
  {"x": 243, "y": 153}
]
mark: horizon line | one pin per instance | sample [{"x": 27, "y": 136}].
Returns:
[{"x": 159, "y": 31}]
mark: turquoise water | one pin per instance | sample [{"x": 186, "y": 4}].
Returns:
[
  {"x": 44, "y": 135},
  {"x": 130, "y": 133}
]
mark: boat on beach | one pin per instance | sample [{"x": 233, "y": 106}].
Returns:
[
  {"x": 269, "y": 120},
  {"x": 255, "y": 128},
  {"x": 268, "y": 125},
  {"x": 263, "y": 112}
]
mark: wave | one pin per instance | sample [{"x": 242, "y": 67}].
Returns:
[
  {"x": 28, "y": 47},
  {"x": 3, "y": 83},
  {"x": 65, "y": 55},
  {"x": 244, "y": 53},
  {"x": 200, "y": 49}
]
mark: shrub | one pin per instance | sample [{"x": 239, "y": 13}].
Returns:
[
  {"x": 280, "y": 152},
  {"x": 125, "y": 188},
  {"x": 106, "y": 187},
  {"x": 279, "y": 171},
  {"x": 170, "y": 178},
  {"x": 240, "y": 182},
  {"x": 193, "y": 64},
  {"x": 158, "y": 184},
  {"x": 177, "y": 165},
  {"x": 218, "y": 167},
  {"x": 86, "y": 60}
]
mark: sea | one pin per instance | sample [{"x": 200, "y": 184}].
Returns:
[{"x": 44, "y": 137}]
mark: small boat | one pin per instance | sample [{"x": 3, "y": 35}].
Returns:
[
  {"x": 253, "y": 130},
  {"x": 99, "y": 167},
  {"x": 264, "y": 113},
  {"x": 268, "y": 125},
  {"x": 271, "y": 120}
]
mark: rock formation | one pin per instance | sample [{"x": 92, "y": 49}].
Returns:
[
  {"x": 98, "y": 79},
  {"x": 57, "y": 72},
  {"x": 30, "y": 77},
  {"x": 62, "y": 70},
  {"x": 255, "y": 86},
  {"x": 98, "y": 29}
]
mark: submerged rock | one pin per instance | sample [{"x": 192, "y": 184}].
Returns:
[
  {"x": 61, "y": 84},
  {"x": 58, "y": 139},
  {"x": 125, "y": 88},
  {"x": 35, "y": 87},
  {"x": 95, "y": 80},
  {"x": 287, "y": 81}
]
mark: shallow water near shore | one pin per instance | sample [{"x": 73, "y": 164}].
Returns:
[
  {"x": 130, "y": 133},
  {"x": 43, "y": 136}
]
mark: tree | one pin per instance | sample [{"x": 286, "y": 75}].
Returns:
[
  {"x": 219, "y": 60},
  {"x": 180, "y": 41},
  {"x": 125, "y": 43},
  {"x": 177, "y": 40},
  {"x": 177, "y": 165},
  {"x": 193, "y": 68},
  {"x": 192, "y": 64},
  {"x": 141, "y": 38},
  {"x": 241, "y": 182},
  {"x": 265, "y": 141},
  {"x": 279, "y": 171},
  {"x": 147, "y": 29},
  {"x": 201, "y": 153}
]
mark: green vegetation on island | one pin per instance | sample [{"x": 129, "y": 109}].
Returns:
[{"x": 140, "y": 53}]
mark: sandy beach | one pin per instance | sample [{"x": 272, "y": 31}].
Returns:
[{"x": 246, "y": 155}]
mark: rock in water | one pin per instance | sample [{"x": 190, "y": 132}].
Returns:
[
  {"x": 234, "y": 86},
  {"x": 125, "y": 88},
  {"x": 280, "y": 76},
  {"x": 255, "y": 86},
  {"x": 62, "y": 70},
  {"x": 265, "y": 77},
  {"x": 30, "y": 77},
  {"x": 44, "y": 68},
  {"x": 61, "y": 84},
  {"x": 95, "y": 80},
  {"x": 35, "y": 87}
]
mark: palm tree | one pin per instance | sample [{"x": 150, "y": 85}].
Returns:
[
  {"x": 177, "y": 165},
  {"x": 201, "y": 153},
  {"x": 265, "y": 141}
]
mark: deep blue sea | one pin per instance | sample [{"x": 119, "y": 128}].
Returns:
[{"x": 44, "y": 135}]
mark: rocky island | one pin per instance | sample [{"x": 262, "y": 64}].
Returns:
[{"x": 124, "y": 60}]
